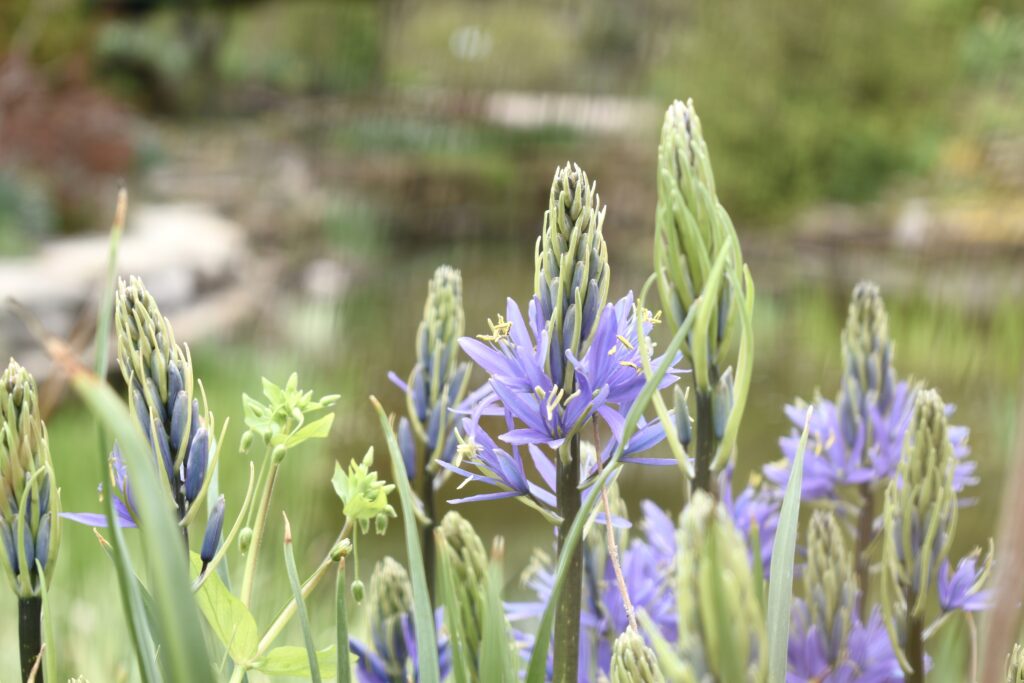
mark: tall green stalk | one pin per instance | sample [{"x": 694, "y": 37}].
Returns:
[{"x": 567, "y": 616}]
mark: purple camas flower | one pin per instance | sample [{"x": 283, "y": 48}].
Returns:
[
  {"x": 756, "y": 507},
  {"x": 832, "y": 464},
  {"x": 124, "y": 501},
  {"x": 963, "y": 589},
  {"x": 868, "y": 657},
  {"x": 536, "y": 411},
  {"x": 648, "y": 566}
]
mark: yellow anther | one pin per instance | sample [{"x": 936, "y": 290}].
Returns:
[
  {"x": 631, "y": 364},
  {"x": 625, "y": 342},
  {"x": 499, "y": 330}
]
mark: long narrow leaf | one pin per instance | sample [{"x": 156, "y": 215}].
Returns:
[
  {"x": 183, "y": 655},
  {"x": 498, "y": 662},
  {"x": 341, "y": 626},
  {"x": 780, "y": 587},
  {"x": 423, "y": 615},
  {"x": 49, "y": 641},
  {"x": 461, "y": 657},
  {"x": 293, "y": 580},
  {"x": 537, "y": 667}
]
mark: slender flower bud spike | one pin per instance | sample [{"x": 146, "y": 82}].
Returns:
[
  {"x": 29, "y": 505},
  {"x": 868, "y": 375},
  {"x": 716, "y": 594},
  {"x": 211, "y": 538},
  {"x": 571, "y": 273},
  {"x": 919, "y": 517},
  {"x": 830, "y": 583},
  {"x": 633, "y": 661},
  {"x": 468, "y": 561}
]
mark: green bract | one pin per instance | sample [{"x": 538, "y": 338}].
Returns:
[
  {"x": 281, "y": 421},
  {"x": 364, "y": 495},
  {"x": 633, "y": 661}
]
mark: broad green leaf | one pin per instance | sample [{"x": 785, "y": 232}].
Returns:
[
  {"x": 423, "y": 614},
  {"x": 317, "y": 429},
  {"x": 780, "y": 586},
  {"x": 231, "y": 621},
  {"x": 537, "y": 668},
  {"x": 178, "y": 634},
  {"x": 291, "y": 660}
]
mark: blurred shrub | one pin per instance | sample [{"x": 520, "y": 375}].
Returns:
[
  {"x": 26, "y": 214},
  {"x": 810, "y": 99},
  {"x": 485, "y": 45},
  {"x": 305, "y": 45}
]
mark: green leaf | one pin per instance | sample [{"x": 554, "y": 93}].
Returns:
[
  {"x": 344, "y": 669},
  {"x": 462, "y": 667},
  {"x": 780, "y": 588},
  {"x": 291, "y": 660},
  {"x": 497, "y": 662},
  {"x": 300, "y": 604},
  {"x": 317, "y": 429},
  {"x": 49, "y": 641},
  {"x": 178, "y": 633},
  {"x": 537, "y": 668},
  {"x": 423, "y": 614},
  {"x": 231, "y": 621}
]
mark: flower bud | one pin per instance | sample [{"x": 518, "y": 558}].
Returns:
[
  {"x": 244, "y": 540},
  {"x": 358, "y": 591},
  {"x": 633, "y": 661},
  {"x": 195, "y": 468},
  {"x": 867, "y": 350},
  {"x": 246, "y": 442},
  {"x": 341, "y": 549},
  {"x": 277, "y": 455},
  {"x": 467, "y": 559},
  {"x": 920, "y": 506},
  {"x": 214, "y": 526},
  {"x": 721, "y": 404},
  {"x": 571, "y": 271},
  {"x": 716, "y": 594},
  {"x": 29, "y": 525},
  {"x": 390, "y": 599},
  {"x": 830, "y": 583},
  {"x": 684, "y": 426}
]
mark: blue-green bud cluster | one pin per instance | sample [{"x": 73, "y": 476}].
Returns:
[
  {"x": 467, "y": 560},
  {"x": 920, "y": 511},
  {"x": 158, "y": 373},
  {"x": 830, "y": 583},
  {"x": 716, "y": 595},
  {"x": 29, "y": 499},
  {"x": 438, "y": 381},
  {"x": 571, "y": 273},
  {"x": 868, "y": 374},
  {"x": 633, "y": 661},
  {"x": 691, "y": 229},
  {"x": 390, "y": 599}
]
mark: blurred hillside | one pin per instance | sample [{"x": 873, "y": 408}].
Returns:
[{"x": 446, "y": 103}]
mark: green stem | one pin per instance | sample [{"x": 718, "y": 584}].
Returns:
[
  {"x": 705, "y": 451},
  {"x": 257, "y": 534},
  {"x": 915, "y": 648},
  {"x": 30, "y": 636},
  {"x": 865, "y": 531},
  {"x": 567, "y": 617}
]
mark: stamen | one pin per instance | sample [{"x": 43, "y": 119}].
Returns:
[{"x": 499, "y": 330}]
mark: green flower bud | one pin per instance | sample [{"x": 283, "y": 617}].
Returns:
[
  {"x": 342, "y": 549},
  {"x": 246, "y": 442},
  {"x": 721, "y": 404},
  {"x": 1015, "y": 665},
  {"x": 683, "y": 422},
  {"x": 365, "y": 497},
  {"x": 868, "y": 375},
  {"x": 390, "y": 598},
  {"x": 571, "y": 271},
  {"x": 358, "y": 591},
  {"x": 691, "y": 229},
  {"x": 277, "y": 455},
  {"x": 467, "y": 560},
  {"x": 830, "y": 583},
  {"x": 920, "y": 505},
  {"x": 244, "y": 540},
  {"x": 29, "y": 501},
  {"x": 633, "y": 661},
  {"x": 716, "y": 595}
]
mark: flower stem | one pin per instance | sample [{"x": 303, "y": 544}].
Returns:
[
  {"x": 30, "y": 635},
  {"x": 865, "y": 531},
  {"x": 705, "y": 442},
  {"x": 257, "y": 535},
  {"x": 915, "y": 648},
  {"x": 567, "y": 613}
]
